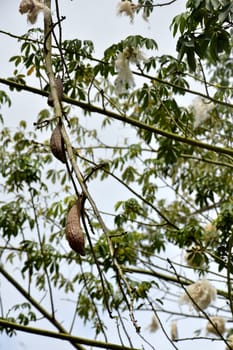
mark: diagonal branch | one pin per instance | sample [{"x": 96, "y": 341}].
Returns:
[{"x": 38, "y": 306}]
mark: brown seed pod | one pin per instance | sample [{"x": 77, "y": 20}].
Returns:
[
  {"x": 74, "y": 233},
  {"x": 59, "y": 86},
  {"x": 57, "y": 144}
]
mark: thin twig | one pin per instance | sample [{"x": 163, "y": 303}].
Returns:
[
  {"x": 161, "y": 324},
  {"x": 104, "y": 287},
  {"x": 42, "y": 251}
]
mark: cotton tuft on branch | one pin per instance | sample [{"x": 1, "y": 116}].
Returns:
[
  {"x": 128, "y": 8},
  {"x": 154, "y": 325},
  {"x": 200, "y": 293},
  {"x": 219, "y": 323},
  {"x": 125, "y": 79},
  {"x": 33, "y": 8},
  {"x": 174, "y": 331},
  {"x": 229, "y": 342},
  {"x": 201, "y": 109}
]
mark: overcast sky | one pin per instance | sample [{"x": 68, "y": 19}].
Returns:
[{"x": 94, "y": 20}]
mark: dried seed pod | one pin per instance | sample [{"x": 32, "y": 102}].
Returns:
[
  {"x": 57, "y": 144},
  {"x": 74, "y": 233},
  {"x": 59, "y": 86}
]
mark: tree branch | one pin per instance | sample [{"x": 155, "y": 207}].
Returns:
[
  {"x": 38, "y": 306},
  {"x": 169, "y": 278},
  {"x": 129, "y": 120},
  {"x": 62, "y": 336}
]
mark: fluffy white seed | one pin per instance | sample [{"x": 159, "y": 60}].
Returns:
[
  {"x": 201, "y": 109},
  {"x": 128, "y": 8},
  {"x": 219, "y": 323},
  {"x": 174, "y": 331},
  {"x": 199, "y": 295},
  {"x": 154, "y": 325},
  {"x": 33, "y": 8}
]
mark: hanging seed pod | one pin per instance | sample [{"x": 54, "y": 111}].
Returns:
[
  {"x": 74, "y": 233},
  {"x": 59, "y": 86},
  {"x": 57, "y": 144}
]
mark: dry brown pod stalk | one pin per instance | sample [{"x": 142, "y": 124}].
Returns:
[
  {"x": 74, "y": 233},
  {"x": 59, "y": 86},
  {"x": 57, "y": 144}
]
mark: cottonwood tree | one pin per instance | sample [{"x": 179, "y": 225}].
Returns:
[{"x": 167, "y": 239}]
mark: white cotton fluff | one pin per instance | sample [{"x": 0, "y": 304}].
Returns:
[
  {"x": 124, "y": 79},
  {"x": 200, "y": 293},
  {"x": 174, "y": 331},
  {"x": 128, "y": 8},
  {"x": 33, "y": 8},
  {"x": 154, "y": 325},
  {"x": 219, "y": 323},
  {"x": 229, "y": 342},
  {"x": 201, "y": 109}
]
